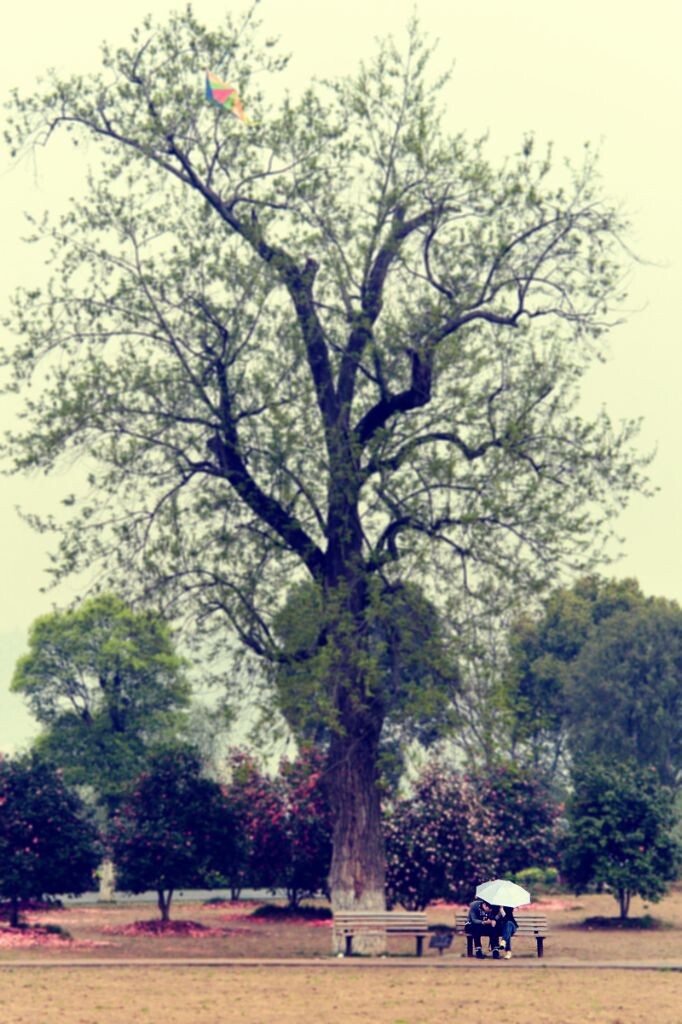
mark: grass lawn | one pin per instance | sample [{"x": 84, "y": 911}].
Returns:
[{"x": 484, "y": 992}]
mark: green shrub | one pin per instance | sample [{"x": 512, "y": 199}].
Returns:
[{"x": 537, "y": 878}]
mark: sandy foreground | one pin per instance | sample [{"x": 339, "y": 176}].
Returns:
[{"x": 166, "y": 995}]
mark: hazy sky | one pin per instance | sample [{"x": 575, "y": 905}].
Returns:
[{"x": 574, "y": 72}]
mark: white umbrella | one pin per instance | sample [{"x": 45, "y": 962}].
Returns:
[{"x": 501, "y": 893}]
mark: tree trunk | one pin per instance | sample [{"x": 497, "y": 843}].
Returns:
[
  {"x": 357, "y": 879},
  {"x": 293, "y": 898},
  {"x": 164, "y": 902},
  {"x": 14, "y": 912},
  {"x": 623, "y": 903}
]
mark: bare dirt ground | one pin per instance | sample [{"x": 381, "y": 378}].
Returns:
[
  {"x": 195, "y": 995},
  {"x": 371, "y": 994},
  {"x": 231, "y": 931}
]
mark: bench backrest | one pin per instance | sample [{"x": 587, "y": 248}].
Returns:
[{"x": 391, "y": 920}]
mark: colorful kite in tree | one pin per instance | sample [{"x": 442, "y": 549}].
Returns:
[{"x": 225, "y": 96}]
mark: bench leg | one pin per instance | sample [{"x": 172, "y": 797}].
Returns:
[
  {"x": 470, "y": 945},
  {"x": 349, "y": 945},
  {"x": 420, "y": 944},
  {"x": 541, "y": 942}
]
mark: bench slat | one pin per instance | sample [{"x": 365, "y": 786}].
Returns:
[
  {"x": 368, "y": 926},
  {"x": 354, "y": 919},
  {"x": 414, "y": 915},
  {"x": 352, "y": 922}
]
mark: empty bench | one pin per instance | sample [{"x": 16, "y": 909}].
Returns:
[
  {"x": 533, "y": 925},
  {"x": 349, "y": 923}
]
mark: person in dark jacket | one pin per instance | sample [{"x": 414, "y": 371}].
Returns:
[{"x": 482, "y": 920}]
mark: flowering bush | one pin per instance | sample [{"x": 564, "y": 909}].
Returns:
[
  {"x": 47, "y": 843},
  {"x": 173, "y": 830},
  {"x": 308, "y": 826},
  {"x": 523, "y": 817},
  {"x": 439, "y": 841},
  {"x": 286, "y": 821},
  {"x": 256, "y": 803}
]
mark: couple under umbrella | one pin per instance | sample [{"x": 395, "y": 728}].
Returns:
[{"x": 492, "y": 914}]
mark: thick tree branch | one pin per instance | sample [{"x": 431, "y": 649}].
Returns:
[
  {"x": 371, "y": 299},
  {"x": 418, "y": 394},
  {"x": 225, "y": 446}
]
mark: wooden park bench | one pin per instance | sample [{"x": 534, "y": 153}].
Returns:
[
  {"x": 534, "y": 925},
  {"x": 348, "y": 923}
]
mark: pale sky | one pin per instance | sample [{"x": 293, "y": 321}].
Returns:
[{"x": 600, "y": 71}]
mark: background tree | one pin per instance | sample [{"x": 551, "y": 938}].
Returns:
[
  {"x": 543, "y": 654},
  {"x": 336, "y": 345},
  {"x": 173, "y": 830},
  {"x": 626, "y": 690},
  {"x": 485, "y": 716},
  {"x": 619, "y": 821},
  {"x": 48, "y": 844},
  {"x": 105, "y": 683}
]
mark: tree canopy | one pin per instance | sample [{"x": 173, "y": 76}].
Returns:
[
  {"x": 414, "y": 666},
  {"x": 337, "y": 344},
  {"x": 106, "y": 684},
  {"x": 598, "y": 673},
  {"x": 48, "y": 844},
  {"x": 173, "y": 829},
  {"x": 626, "y": 692},
  {"x": 619, "y": 819},
  {"x": 544, "y": 651}
]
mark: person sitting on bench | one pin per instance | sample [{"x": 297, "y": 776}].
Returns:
[
  {"x": 506, "y": 926},
  {"x": 482, "y": 921}
]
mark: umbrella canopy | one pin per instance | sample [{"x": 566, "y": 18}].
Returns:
[{"x": 501, "y": 893}]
